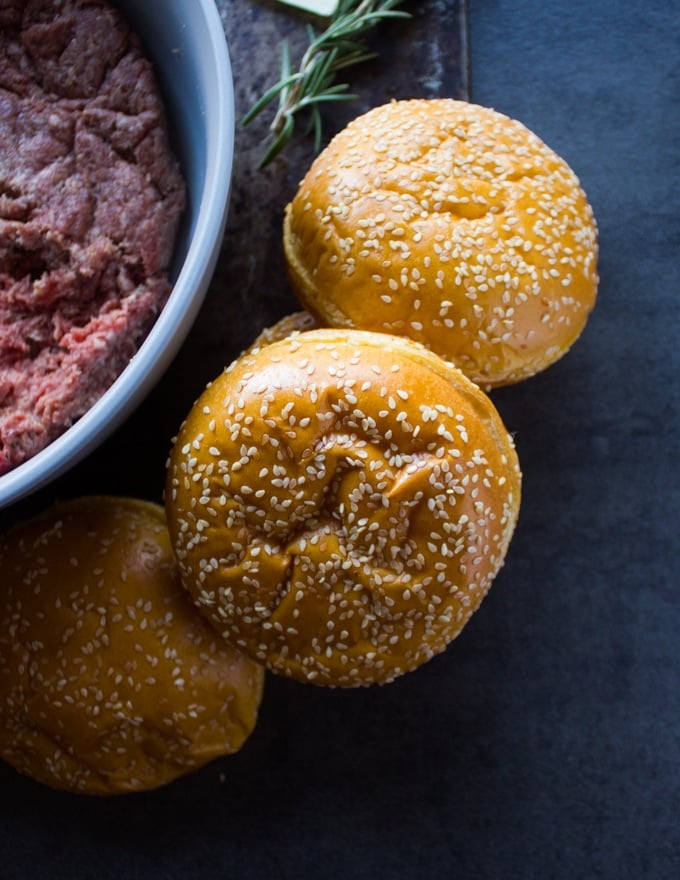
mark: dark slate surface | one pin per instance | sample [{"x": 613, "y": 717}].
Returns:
[{"x": 545, "y": 743}]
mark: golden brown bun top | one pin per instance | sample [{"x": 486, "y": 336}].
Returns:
[
  {"x": 110, "y": 681},
  {"x": 452, "y": 224},
  {"x": 288, "y": 325},
  {"x": 339, "y": 502}
]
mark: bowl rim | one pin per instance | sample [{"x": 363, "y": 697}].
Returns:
[{"x": 179, "y": 312}]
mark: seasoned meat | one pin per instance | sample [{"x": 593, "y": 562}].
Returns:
[{"x": 90, "y": 201}]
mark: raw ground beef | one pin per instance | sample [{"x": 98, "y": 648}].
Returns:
[{"x": 90, "y": 201}]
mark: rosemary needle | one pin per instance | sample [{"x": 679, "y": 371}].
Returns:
[{"x": 314, "y": 82}]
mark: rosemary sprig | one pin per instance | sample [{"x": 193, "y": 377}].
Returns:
[{"x": 314, "y": 82}]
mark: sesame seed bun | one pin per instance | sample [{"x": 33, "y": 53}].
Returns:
[
  {"x": 453, "y": 225},
  {"x": 289, "y": 325},
  {"x": 340, "y": 502},
  {"x": 110, "y": 681}
]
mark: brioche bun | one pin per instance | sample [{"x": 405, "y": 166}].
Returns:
[
  {"x": 339, "y": 502},
  {"x": 110, "y": 681},
  {"x": 289, "y": 325},
  {"x": 453, "y": 225}
]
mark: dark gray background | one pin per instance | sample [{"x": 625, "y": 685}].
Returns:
[{"x": 545, "y": 743}]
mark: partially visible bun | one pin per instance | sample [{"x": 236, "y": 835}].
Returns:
[
  {"x": 340, "y": 502},
  {"x": 289, "y": 325},
  {"x": 453, "y": 225},
  {"x": 110, "y": 681}
]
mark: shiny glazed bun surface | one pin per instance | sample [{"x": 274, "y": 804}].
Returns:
[
  {"x": 110, "y": 681},
  {"x": 289, "y": 325},
  {"x": 339, "y": 503},
  {"x": 451, "y": 224}
]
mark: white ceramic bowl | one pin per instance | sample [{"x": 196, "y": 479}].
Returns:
[{"x": 186, "y": 43}]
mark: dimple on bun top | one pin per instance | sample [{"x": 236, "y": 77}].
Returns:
[
  {"x": 110, "y": 680},
  {"x": 339, "y": 503},
  {"x": 451, "y": 224}
]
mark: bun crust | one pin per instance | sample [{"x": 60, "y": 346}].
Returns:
[
  {"x": 289, "y": 325},
  {"x": 453, "y": 225},
  {"x": 110, "y": 681},
  {"x": 339, "y": 503}
]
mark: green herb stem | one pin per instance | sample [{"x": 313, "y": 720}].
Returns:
[{"x": 336, "y": 48}]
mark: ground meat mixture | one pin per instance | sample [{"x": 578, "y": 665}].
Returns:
[{"x": 90, "y": 201}]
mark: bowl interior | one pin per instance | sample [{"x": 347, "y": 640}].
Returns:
[{"x": 187, "y": 47}]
